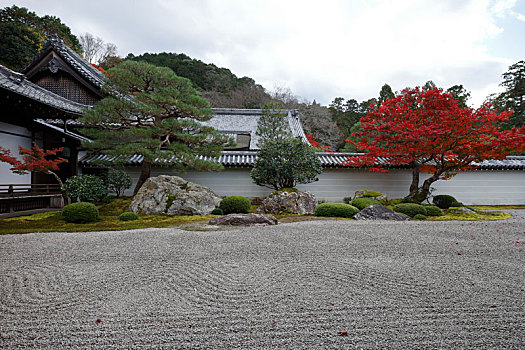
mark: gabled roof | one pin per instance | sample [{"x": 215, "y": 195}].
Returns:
[
  {"x": 18, "y": 84},
  {"x": 233, "y": 121},
  {"x": 77, "y": 63}
]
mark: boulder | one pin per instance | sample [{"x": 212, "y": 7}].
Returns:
[
  {"x": 378, "y": 212},
  {"x": 172, "y": 195},
  {"x": 244, "y": 219},
  {"x": 289, "y": 202},
  {"x": 461, "y": 210}
]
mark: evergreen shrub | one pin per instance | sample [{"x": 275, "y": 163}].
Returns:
[
  {"x": 217, "y": 211},
  {"x": 128, "y": 216},
  {"x": 88, "y": 188},
  {"x": 364, "y": 202},
  {"x": 80, "y": 213},
  {"x": 433, "y": 210},
  {"x": 410, "y": 209},
  {"x": 235, "y": 204},
  {"x": 118, "y": 181},
  {"x": 340, "y": 210},
  {"x": 420, "y": 217},
  {"x": 366, "y": 193},
  {"x": 443, "y": 201}
]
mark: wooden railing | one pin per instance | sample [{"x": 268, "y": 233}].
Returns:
[{"x": 20, "y": 197}]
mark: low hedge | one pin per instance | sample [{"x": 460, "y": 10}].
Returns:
[
  {"x": 235, "y": 204},
  {"x": 368, "y": 194},
  {"x": 128, "y": 216},
  {"x": 444, "y": 201},
  {"x": 363, "y": 202},
  {"x": 433, "y": 210},
  {"x": 420, "y": 217},
  {"x": 410, "y": 209},
  {"x": 217, "y": 211},
  {"x": 80, "y": 213},
  {"x": 339, "y": 210}
]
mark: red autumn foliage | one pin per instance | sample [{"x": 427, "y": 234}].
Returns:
[
  {"x": 318, "y": 145},
  {"x": 429, "y": 132},
  {"x": 33, "y": 159},
  {"x": 98, "y": 67}
]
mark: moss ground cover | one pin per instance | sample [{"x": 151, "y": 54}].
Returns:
[{"x": 53, "y": 221}]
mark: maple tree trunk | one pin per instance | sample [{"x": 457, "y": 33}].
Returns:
[
  {"x": 425, "y": 189},
  {"x": 49, "y": 172},
  {"x": 414, "y": 186},
  {"x": 145, "y": 173}
]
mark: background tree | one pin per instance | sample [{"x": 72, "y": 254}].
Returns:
[
  {"x": 317, "y": 120},
  {"x": 385, "y": 93},
  {"x": 428, "y": 131},
  {"x": 34, "y": 160},
  {"x": 514, "y": 96},
  {"x": 23, "y": 33},
  {"x": 272, "y": 124},
  {"x": 284, "y": 163},
  {"x": 460, "y": 94},
  {"x": 154, "y": 113},
  {"x": 95, "y": 50}
]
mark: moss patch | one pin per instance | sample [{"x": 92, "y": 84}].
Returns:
[{"x": 479, "y": 215}]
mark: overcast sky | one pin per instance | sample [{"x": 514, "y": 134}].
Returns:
[{"x": 319, "y": 49}]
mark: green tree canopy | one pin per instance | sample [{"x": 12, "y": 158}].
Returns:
[
  {"x": 154, "y": 113},
  {"x": 284, "y": 163},
  {"x": 23, "y": 33},
  {"x": 514, "y": 96},
  {"x": 272, "y": 123}
]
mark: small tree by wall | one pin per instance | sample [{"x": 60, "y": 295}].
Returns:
[
  {"x": 34, "y": 159},
  {"x": 284, "y": 163}
]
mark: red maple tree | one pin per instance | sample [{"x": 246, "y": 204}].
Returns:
[
  {"x": 33, "y": 159},
  {"x": 427, "y": 131},
  {"x": 318, "y": 145}
]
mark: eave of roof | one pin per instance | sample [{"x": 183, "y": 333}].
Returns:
[
  {"x": 328, "y": 160},
  {"x": 66, "y": 133}
]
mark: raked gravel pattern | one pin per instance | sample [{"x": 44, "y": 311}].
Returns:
[{"x": 389, "y": 285}]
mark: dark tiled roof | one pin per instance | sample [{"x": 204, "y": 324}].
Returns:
[
  {"x": 18, "y": 84},
  {"x": 328, "y": 160},
  {"x": 85, "y": 69}
]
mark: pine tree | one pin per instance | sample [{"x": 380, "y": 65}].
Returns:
[
  {"x": 272, "y": 124},
  {"x": 152, "y": 112}
]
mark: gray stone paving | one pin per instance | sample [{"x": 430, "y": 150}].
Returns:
[{"x": 397, "y": 285}]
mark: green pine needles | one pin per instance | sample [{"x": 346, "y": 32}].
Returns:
[{"x": 150, "y": 111}]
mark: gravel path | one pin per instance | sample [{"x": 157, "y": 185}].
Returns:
[{"x": 412, "y": 285}]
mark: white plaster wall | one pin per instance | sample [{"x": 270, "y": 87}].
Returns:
[
  {"x": 474, "y": 187},
  {"x": 12, "y": 142}
]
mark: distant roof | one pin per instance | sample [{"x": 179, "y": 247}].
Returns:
[
  {"x": 328, "y": 160},
  {"x": 18, "y": 84},
  {"x": 77, "y": 63},
  {"x": 244, "y": 121}
]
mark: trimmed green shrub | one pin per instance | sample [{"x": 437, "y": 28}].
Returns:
[
  {"x": 410, "y": 209},
  {"x": 364, "y": 202},
  {"x": 217, "y": 211},
  {"x": 432, "y": 210},
  {"x": 88, "y": 188},
  {"x": 118, "y": 181},
  {"x": 420, "y": 217},
  {"x": 235, "y": 204},
  {"x": 80, "y": 213},
  {"x": 287, "y": 190},
  {"x": 340, "y": 210},
  {"x": 347, "y": 200},
  {"x": 396, "y": 201},
  {"x": 410, "y": 200},
  {"x": 368, "y": 194},
  {"x": 456, "y": 204},
  {"x": 443, "y": 201},
  {"x": 128, "y": 216}
]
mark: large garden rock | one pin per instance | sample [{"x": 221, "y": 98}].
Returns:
[
  {"x": 172, "y": 195},
  {"x": 244, "y": 219},
  {"x": 378, "y": 212},
  {"x": 288, "y": 202}
]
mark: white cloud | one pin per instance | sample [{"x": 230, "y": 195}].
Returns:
[{"x": 319, "y": 49}]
